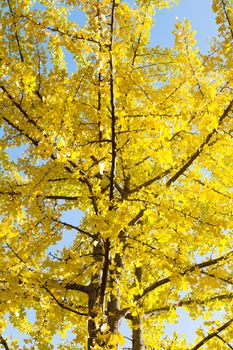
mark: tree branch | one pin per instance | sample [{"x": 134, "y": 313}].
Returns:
[
  {"x": 217, "y": 277},
  {"x": 62, "y": 305},
  {"x": 199, "y": 266},
  {"x": 21, "y": 131},
  {"x": 91, "y": 235},
  {"x": 13, "y": 193},
  {"x": 137, "y": 217},
  {"x": 16, "y": 34},
  {"x": 4, "y": 343},
  {"x": 151, "y": 181},
  {"x": 182, "y": 303},
  {"x": 67, "y": 198},
  {"x": 89, "y": 185},
  {"x": 227, "y": 18},
  {"x": 212, "y": 335},
  {"x": 67, "y": 32},
  {"x": 212, "y": 189},
  {"x": 77, "y": 287},
  {"x": 20, "y": 108},
  {"x": 218, "y": 336},
  {"x": 105, "y": 270},
  {"x": 200, "y": 149}
]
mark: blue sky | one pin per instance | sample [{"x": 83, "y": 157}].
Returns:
[
  {"x": 202, "y": 19},
  {"x": 199, "y": 13}
]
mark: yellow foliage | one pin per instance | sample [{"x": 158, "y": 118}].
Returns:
[{"x": 116, "y": 175}]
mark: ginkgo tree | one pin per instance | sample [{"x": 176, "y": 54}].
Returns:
[{"x": 138, "y": 139}]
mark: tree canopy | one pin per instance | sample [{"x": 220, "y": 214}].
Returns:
[{"x": 138, "y": 139}]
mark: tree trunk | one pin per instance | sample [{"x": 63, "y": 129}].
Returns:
[
  {"x": 113, "y": 304},
  {"x": 92, "y": 329},
  {"x": 137, "y": 334},
  {"x": 94, "y": 297}
]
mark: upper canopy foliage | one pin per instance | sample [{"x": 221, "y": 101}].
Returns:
[{"x": 137, "y": 138}]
